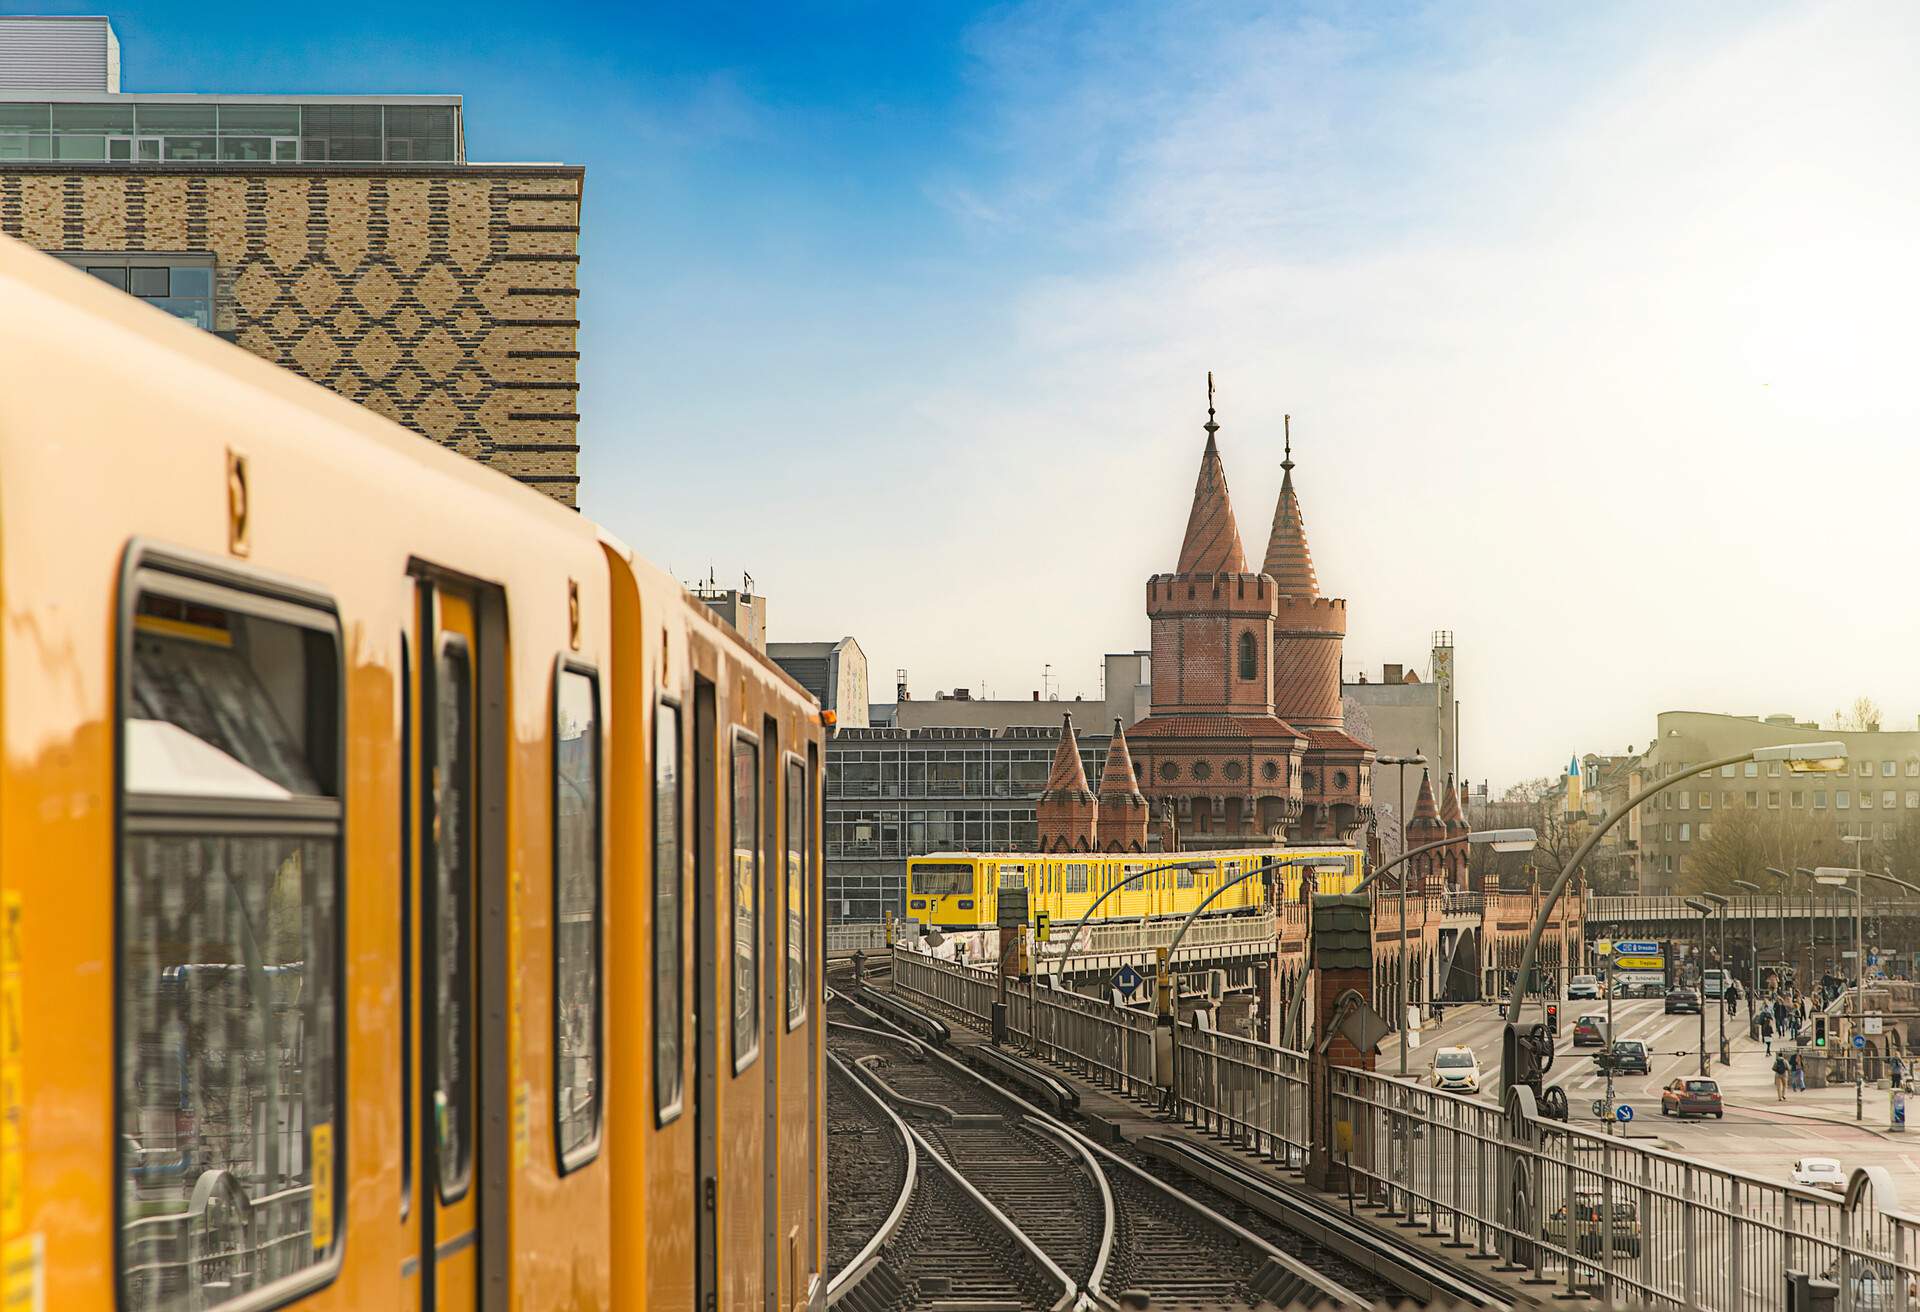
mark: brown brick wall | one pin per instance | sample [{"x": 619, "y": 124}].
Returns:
[{"x": 444, "y": 299}]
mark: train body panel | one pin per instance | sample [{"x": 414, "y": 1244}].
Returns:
[{"x": 456, "y": 803}]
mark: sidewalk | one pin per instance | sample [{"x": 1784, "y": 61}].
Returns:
[{"x": 1747, "y": 1084}]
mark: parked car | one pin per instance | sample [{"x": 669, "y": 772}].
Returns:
[
  {"x": 1584, "y": 986},
  {"x": 1693, "y": 1097},
  {"x": 1590, "y": 1031},
  {"x": 1589, "y": 1232},
  {"x": 1682, "y": 1002},
  {"x": 1456, "y": 1070},
  {"x": 1714, "y": 983},
  {"x": 1819, "y": 1173},
  {"x": 1625, "y": 1057}
]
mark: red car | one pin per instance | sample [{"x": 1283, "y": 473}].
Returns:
[
  {"x": 1695, "y": 1097},
  {"x": 1590, "y": 1032}
]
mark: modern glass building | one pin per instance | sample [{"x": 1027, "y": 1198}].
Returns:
[{"x": 159, "y": 129}]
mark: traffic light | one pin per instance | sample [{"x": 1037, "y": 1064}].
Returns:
[
  {"x": 1819, "y": 1031},
  {"x": 1553, "y": 1018}
]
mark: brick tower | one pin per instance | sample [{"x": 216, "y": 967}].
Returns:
[
  {"x": 1211, "y": 743},
  {"x": 1309, "y": 630},
  {"x": 1429, "y": 869},
  {"x": 1122, "y": 823},
  {"x": 1066, "y": 813},
  {"x": 1455, "y": 820}
]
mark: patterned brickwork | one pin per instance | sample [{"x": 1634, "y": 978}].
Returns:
[{"x": 444, "y": 299}]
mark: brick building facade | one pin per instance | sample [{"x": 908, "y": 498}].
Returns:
[{"x": 443, "y": 298}]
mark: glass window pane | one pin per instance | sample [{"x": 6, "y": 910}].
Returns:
[
  {"x": 420, "y": 132},
  {"x": 452, "y": 768},
  {"x": 24, "y": 117},
  {"x": 148, "y": 280},
  {"x": 192, "y": 147},
  {"x": 92, "y": 118},
  {"x": 192, "y": 280},
  {"x": 286, "y": 150},
  {"x": 111, "y": 274},
  {"x": 576, "y": 862},
  {"x": 268, "y": 120},
  {"x": 79, "y": 146},
  {"x": 798, "y": 886},
  {"x": 246, "y": 148},
  {"x": 171, "y": 119},
  {"x": 746, "y": 902},
  {"x": 669, "y": 877}
]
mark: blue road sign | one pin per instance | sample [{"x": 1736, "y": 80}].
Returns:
[
  {"x": 1127, "y": 979},
  {"x": 1859, "y": 1040},
  {"x": 1621, "y": 949},
  {"x": 1623, "y": 1113}
]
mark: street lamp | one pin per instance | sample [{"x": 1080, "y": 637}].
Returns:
[
  {"x": 1839, "y": 877},
  {"x": 1800, "y": 758},
  {"x": 1753, "y": 952},
  {"x": 1719, "y": 904},
  {"x": 1704, "y": 910}
]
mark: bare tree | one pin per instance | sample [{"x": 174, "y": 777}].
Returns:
[
  {"x": 1744, "y": 843},
  {"x": 1862, "y": 717}
]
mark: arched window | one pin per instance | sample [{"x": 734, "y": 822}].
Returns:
[{"x": 1249, "y": 658}]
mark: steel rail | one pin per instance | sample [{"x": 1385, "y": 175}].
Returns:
[{"x": 850, "y": 1276}]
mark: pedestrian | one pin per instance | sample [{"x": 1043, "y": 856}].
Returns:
[
  {"x": 1766, "y": 1030},
  {"x": 1797, "y": 1074},
  {"x": 1780, "y": 1069}
]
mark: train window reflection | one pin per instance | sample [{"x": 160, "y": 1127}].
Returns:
[
  {"x": 576, "y": 874},
  {"x": 669, "y": 877},
  {"x": 229, "y": 962},
  {"x": 452, "y": 910},
  {"x": 799, "y": 888},
  {"x": 746, "y": 901},
  {"x": 938, "y": 880}
]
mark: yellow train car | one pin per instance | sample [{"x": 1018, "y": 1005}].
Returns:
[
  {"x": 408, "y": 898},
  {"x": 952, "y": 891}
]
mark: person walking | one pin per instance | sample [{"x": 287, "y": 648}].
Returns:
[
  {"x": 1766, "y": 1030},
  {"x": 1797, "y": 1074},
  {"x": 1780, "y": 1079}
]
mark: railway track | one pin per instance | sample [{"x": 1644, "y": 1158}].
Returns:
[
  {"x": 1110, "y": 1226},
  {"x": 905, "y": 1230}
]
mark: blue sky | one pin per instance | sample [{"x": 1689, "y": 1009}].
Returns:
[{"x": 1594, "y": 321}]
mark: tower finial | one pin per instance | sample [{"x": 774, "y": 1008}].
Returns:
[
  {"x": 1287, "y": 463},
  {"x": 1211, "y": 426}
]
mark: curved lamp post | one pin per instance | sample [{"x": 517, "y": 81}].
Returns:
[
  {"x": 1503, "y": 840},
  {"x": 1703, "y": 910},
  {"x": 1801, "y": 758},
  {"x": 1719, "y": 904},
  {"x": 1753, "y": 951}
]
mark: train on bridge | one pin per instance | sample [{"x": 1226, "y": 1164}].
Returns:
[
  {"x": 955, "y": 891},
  {"x": 408, "y": 897}
]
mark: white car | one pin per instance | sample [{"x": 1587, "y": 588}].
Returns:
[
  {"x": 1820, "y": 1173},
  {"x": 1584, "y": 986},
  {"x": 1456, "y": 1070}
]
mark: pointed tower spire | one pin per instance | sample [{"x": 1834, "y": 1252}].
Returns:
[
  {"x": 1426, "y": 816},
  {"x": 1122, "y": 824},
  {"x": 1066, "y": 811},
  {"x": 1450, "y": 812},
  {"x": 1212, "y": 544},
  {"x": 1288, "y": 559}
]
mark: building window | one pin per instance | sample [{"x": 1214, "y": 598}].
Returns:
[
  {"x": 1169, "y": 771},
  {"x": 1913, "y": 799},
  {"x": 1231, "y": 770},
  {"x": 1249, "y": 657},
  {"x": 228, "y": 965},
  {"x": 1866, "y": 769},
  {"x": 1773, "y": 799},
  {"x": 1750, "y": 769},
  {"x": 1306, "y": 780},
  {"x": 1686, "y": 801},
  {"x": 1913, "y": 769},
  {"x": 1819, "y": 799},
  {"x": 1886, "y": 831},
  {"x": 1866, "y": 799},
  {"x": 1340, "y": 781},
  {"x": 1842, "y": 799},
  {"x": 180, "y": 285},
  {"x": 1686, "y": 833},
  {"x": 1889, "y": 799},
  {"x": 1706, "y": 832},
  {"x": 1726, "y": 772},
  {"x": 576, "y": 914},
  {"x": 1773, "y": 769},
  {"x": 1269, "y": 770},
  {"x": 1888, "y": 769},
  {"x": 1202, "y": 770},
  {"x": 1753, "y": 798}
]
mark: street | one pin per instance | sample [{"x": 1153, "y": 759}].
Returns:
[{"x": 1758, "y": 1134}]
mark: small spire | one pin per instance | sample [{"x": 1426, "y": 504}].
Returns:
[
  {"x": 1287, "y": 428},
  {"x": 1212, "y": 541},
  {"x": 1210, "y": 425},
  {"x": 1289, "y": 560}
]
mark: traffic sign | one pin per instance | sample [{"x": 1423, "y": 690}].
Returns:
[
  {"x": 1873, "y": 1024},
  {"x": 1604, "y": 946},
  {"x": 1640, "y": 963},
  {"x": 1127, "y": 980},
  {"x": 1623, "y": 1113},
  {"x": 1859, "y": 1040},
  {"x": 1637, "y": 949},
  {"x": 1600, "y": 1108},
  {"x": 1042, "y": 926}
]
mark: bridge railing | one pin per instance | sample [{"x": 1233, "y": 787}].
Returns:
[
  {"x": 1604, "y": 909},
  {"x": 1611, "y": 1216},
  {"x": 856, "y": 938},
  {"x": 1138, "y": 935},
  {"x": 1249, "y": 1093}
]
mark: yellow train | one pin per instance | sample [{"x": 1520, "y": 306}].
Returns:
[
  {"x": 961, "y": 890},
  {"x": 408, "y": 898}
]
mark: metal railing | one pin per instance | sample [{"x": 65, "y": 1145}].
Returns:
[
  {"x": 1602, "y": 910},
  {"x": 1610, "y": 1217},
  {"x": 1457, "y": 904},
  {"x": 856, "y": 938},
  {"x": 1249, "y": 1093},
  {"x": 1135, "y": 936}
]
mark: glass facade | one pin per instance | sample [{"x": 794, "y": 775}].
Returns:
[
  {"x": 896, "y": 793},
  {"x": 199, "y": 131},
  {"x": 182, "y": 286}
]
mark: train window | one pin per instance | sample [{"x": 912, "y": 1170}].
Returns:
[
  {"x": 228, "y": 963},
  {"x": 576, "y": 915},
  {"x": 452, "y": 911},
  {"x": 669, "y": 877},
  {"x": 746, "y": 900},
  {"x": 799, "y": 890},
  {"x": 1076, "y": 878},
  {"x": 1013, "y": 876},
  {"x": 1185, "y": 876},
  {"x": 407, "y": 1111},
  {"x": 950, "y": 879}
]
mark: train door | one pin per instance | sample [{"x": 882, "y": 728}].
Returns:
[
  {"x": 459, "y": 1030},
  {"x": 706, "y": 989}
]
